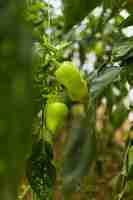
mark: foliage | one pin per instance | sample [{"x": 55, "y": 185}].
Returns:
[
  {"x": 39, "y": 54},
  {"x": 16, "y": 89},
  {"x": 75, "y": 11},
  {"x": 40, "y": 170}
]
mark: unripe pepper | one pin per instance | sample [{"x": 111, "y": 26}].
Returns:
[
  {"x": 56, "y": 113},
  {"x": 70, "y": 77}
]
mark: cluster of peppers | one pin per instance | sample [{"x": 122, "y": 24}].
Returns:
[{"x": 41, "y": 171}]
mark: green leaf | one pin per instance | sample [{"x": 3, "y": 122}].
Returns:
[
  {"x": 122, "y": 49},
  {"x": 76, "y": 10},
  {"x": 102, "y": 81}
]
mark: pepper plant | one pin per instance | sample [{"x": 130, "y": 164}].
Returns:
[{"x": 65, "y": 114}]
